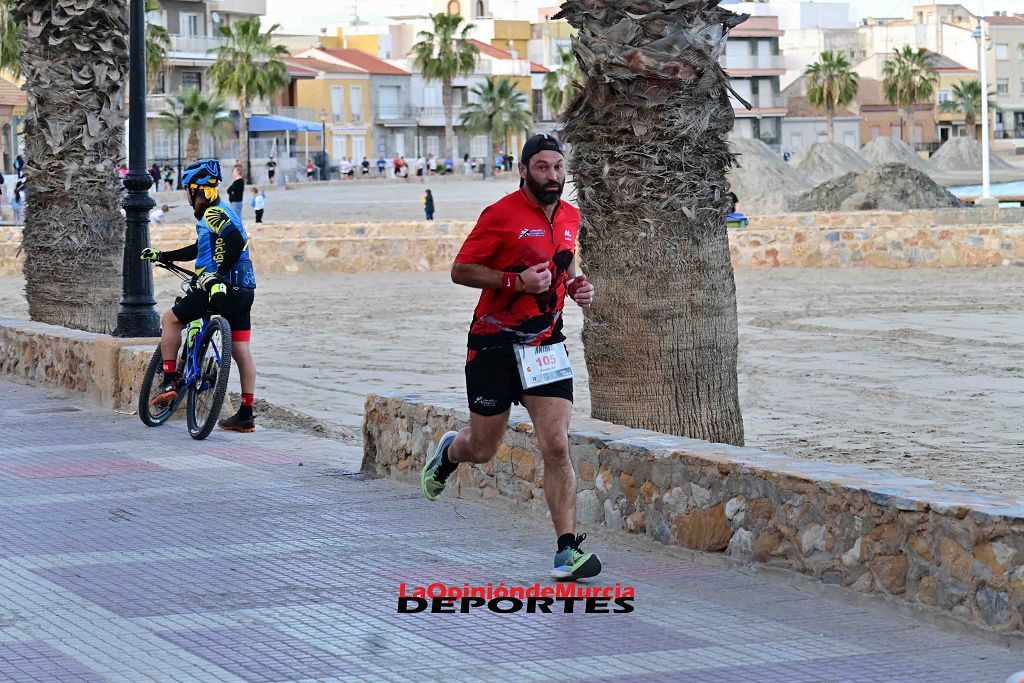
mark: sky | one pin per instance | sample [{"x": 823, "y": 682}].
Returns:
[{"x": 308, "y": 16}]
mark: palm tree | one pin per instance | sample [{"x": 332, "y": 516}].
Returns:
[
  {"x": 831, "y": 85},
  {"x": 966, "y": 100},
  {"x": 74, "y": 138},
  {"x": 649, "y": 157},
  {"x": 909, "y": 78},
  {"x": 442, "y": 55},
  {"x": 9, "y": 44},
  {"x": 500, "y": 109},
  {"x": 200, "y": 114},
  {"x": 248, "y": 66},
  {"x": 562, "y": 85}
]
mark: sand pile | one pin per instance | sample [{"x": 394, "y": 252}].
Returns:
[
  {"x": 827, "y": 160},
  {"x": 764, "y": 182},
  {"x": 895, "y": 187},
  {"x": 886, "y": 150},
  {"x": 964, "y": 154}
]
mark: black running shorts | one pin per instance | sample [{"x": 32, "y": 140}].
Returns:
[
  {"x": 493, "y": 383},
  {"x": 235, "y": 308}
]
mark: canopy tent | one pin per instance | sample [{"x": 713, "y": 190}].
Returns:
[{"x": 262, "y": 123}]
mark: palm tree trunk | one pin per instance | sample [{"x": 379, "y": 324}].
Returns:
[
  {"x": 971, "y": 125},
  {"x": 449, "y": 116},
  {"x": 243, "y": 135},
  {"x": 830, "y": 116},
  {"x": 649, "y": 158},
  {"x": 192, "y": 148},
  {"x": 73, "y": 238}
]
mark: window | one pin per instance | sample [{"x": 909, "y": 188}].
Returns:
[
  {"x": 189, "y": 24},
  {"x": 1002, "y": 51},
  {"x": 160, "y": 83},
  {"x": 945, "y": 95},
  {"x": 538, "y": 105},
  {"x": 191, "y": 80},
  {"x": 355, "y": 101},
  {"x": 1021, "y": 84},
  {"x": 479, "y": 147},
  {"x": 387, "y": 102},
  {"x": 433, "y": 145},
  {"x": 432, "y": 96},
  {"x": 338, "y": 103},
  {"x": 1003, "y": 86}
]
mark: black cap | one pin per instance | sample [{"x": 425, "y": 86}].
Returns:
[{"x": 542, "y": 142}]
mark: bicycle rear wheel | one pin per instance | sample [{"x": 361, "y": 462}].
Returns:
[
  {"x": 206, "y": 392},
  {"x": 150, "y": 414}
]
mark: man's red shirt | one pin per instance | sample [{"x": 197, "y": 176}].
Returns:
[{"x": 512, "y": 235}]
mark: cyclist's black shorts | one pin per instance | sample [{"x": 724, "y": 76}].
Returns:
[
  {"x": 493, "y": 383},
  {"x": 235, "y": 308}
]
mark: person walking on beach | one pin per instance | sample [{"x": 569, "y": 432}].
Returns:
[
  {"x": 428, "y": 205},
  {"x": 259, "y": 202},
  {"x": 520, "y": 253},
  {"x": 236, "y": 190}
]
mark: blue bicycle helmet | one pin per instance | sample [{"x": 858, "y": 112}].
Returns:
[{"x": 202, "y": 173}]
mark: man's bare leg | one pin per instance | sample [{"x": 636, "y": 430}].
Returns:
[{"x": 551, "y": 423}]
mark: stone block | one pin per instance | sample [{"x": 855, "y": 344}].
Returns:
[
  {"x": 636, "y": 523},
  {"x": 628, "y": 485},
  {"x": 588, "y": 508},
  {"x": 993, "y": 605},
  {"x": 890, "y": 572},
  {"x": 741, "y": 545},
  {"x": 704, "y": 529},
  {"x": 586, "y": 470},
  {"x": 524, "y": 464}
]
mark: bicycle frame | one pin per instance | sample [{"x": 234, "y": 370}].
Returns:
[{"x": 194, "y": 330}]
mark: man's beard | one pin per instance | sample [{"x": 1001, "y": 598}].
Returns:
[{"x": 544, "y": 195}]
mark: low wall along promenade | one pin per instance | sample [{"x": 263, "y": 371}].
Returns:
[
  {"x": 939, "y": 547},
  {"x": 941, "y": 238}
]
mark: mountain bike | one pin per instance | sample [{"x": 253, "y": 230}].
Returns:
[{"x": 205, "y": 363}]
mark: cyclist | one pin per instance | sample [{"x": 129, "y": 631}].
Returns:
[
  {"x": 520, "y": 253},
  {"x": 226, "y": 283}
]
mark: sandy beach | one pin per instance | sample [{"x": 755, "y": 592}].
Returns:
[{"x": 917, "y": 372}]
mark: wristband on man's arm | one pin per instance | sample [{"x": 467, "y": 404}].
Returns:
[{"x": 508, "y": 280}]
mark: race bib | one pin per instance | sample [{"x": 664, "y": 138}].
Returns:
[{"x": 540, "y": 365}]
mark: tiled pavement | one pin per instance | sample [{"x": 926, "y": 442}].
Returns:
[{"x": 133, "y": 554}]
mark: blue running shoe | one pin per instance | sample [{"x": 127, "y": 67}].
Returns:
[
  {"x": 430, "y": 481},
  {"x": 571, "y": 563}
]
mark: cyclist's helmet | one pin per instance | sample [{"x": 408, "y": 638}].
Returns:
[{"x": 204, "y": 173}]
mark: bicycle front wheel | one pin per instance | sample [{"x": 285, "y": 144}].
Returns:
[
  {"x": 206, "y": 392},
  {"x": 154, "y": 414}
]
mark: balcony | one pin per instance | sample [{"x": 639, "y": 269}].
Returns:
[
  {"x": 194, "y": 47},
  {"x": 301, "y": 113},
  {"x": 395, "y": 112},
  {"x": 257, "y": 7},
  {"x": 750, "y": 62}
]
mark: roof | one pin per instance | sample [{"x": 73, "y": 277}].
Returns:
[
  {"x": 801, "y": 107},
  {"x": 364, "y": 61},
  {"x": 308, "y": 66},
  {"x": 757, "y": 27},
  {"x": 11, "y": 95},
  {"x": 498, "y": 53},
  {"x": 870, "y": 94},
  {"x": 1015, "y": 20},
  {"x": 944, "y": 63}
]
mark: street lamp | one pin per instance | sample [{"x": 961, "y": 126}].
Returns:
[
  {"x": 323, "y": 142},
  {"x": 178, "y": 108},
  {"x": 986, "y": 176},
  {"x": 137, "y": 316}
]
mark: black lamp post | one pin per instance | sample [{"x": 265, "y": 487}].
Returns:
[
  {"x": 323, "y": 143},
  {"x": 178, "y": 108},
  {"x": 137, "y": 316}
]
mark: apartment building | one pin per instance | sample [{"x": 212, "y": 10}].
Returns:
[
  {"x": 1005, "y": 66},
  {"x": 754, "y": 63}
]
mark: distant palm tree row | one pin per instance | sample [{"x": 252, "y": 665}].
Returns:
[{"x": 909, "y": 79}]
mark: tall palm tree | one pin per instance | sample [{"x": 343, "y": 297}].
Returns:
[
  {"x": 562, "y": 85},
  {"x": 831, "y": 85},
  {"x": 908, "y": 79},
  {"x": 9, "y": 44},
  {"x": 500, "y": 109},
  {"x": 248, "y": 67},
  {"x": 649, "y": 157},
  {"x": 966, "y": 100},
  {"x": 200, "y": 114},
  {"x": 74, "y": 138},
  {"x": 442, "y": 55}
]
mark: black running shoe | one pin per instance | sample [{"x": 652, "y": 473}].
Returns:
[{"x": 239, "y": 423}]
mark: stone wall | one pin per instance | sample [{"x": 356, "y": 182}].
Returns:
[
  {"x": 934, "y": 238},
  {"x": 106, "y": 370},
  {"x": 935, "y": 546}
]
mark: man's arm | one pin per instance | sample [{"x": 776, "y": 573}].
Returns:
[
  {"x": 534, "y": 280},
  {"x": 189, "y": 253}
]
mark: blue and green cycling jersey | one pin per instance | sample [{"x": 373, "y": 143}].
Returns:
[{"x": 218, "y": 224}]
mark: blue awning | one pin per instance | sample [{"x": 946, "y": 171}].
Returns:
[{"x": 266, "y": 124}]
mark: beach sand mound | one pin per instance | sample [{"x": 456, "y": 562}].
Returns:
[
  {"x": 827, "y": 160},
  {"x": 894, "y": 187},
  {"x": 886, "y": 150},
  {"x": 764, "y": 182},
  {"x": 964, "y": 154}
]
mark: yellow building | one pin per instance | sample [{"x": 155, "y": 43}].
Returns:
[
  {"x": 339, "y": 95},
  {"x": 951, "y": 123}
]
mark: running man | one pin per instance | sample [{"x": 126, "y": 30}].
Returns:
[
  {"x": 226, "y": 280},
  {"x": 520, "y": 253}
]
